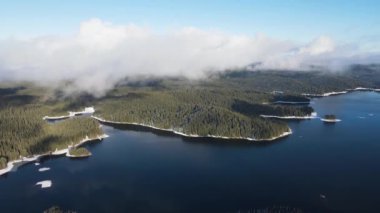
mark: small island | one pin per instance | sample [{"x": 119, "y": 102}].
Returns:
[
  {"x": 80, "y": 152},
  {"x": 330, "y": 119}
]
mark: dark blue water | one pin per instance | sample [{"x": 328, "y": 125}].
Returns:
[{"x": 141, "y": 171}]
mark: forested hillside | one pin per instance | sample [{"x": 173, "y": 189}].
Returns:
[
  {"x": 167, "y": 111},
  {"x": 298, "y": 82}
]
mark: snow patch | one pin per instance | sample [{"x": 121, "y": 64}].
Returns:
[
  {"x": 12, "y": 164},
  {"x": 311, "y": 116},
  {"x": 60, "y": 152},
  {"x": 324, "y": 94},
  {"x": 341, "y": 92},
  {"x": 87, "y": 110},
  {"x": 43, "y": 169},
  {"x": 45, "y": 183}
]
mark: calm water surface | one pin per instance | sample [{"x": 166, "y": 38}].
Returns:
[{"x": 142, "y": 171}]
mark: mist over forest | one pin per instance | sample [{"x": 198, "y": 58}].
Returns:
[{"x": 101, "y": 54}]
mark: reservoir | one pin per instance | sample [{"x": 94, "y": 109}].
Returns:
[{"x": 321, "y": 167}]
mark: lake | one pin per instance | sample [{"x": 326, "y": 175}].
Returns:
[{"x": 320, "y": 168}]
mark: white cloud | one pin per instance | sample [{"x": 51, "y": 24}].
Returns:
[
  {"x": 101, "y": 53},
  {"x": 321, "y": 45}
]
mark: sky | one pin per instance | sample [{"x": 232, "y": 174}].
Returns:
[
  {"x": 101, "y": 42},
  {"x": 288, "y": 19}
]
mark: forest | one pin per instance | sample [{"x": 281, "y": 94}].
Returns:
[
  {"x": 24, "y": 133},
  {"x": 307, "y": 81}
]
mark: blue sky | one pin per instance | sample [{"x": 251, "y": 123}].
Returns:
[
  {"x": 100, "y": 42},
  {"x": 300, "y": 20}
]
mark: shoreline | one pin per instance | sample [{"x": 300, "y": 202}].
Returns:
[
  {"x": 24, "y": 160},
  {"x": 330, "y": 120},
  {"x": 78, "y": 156},
  {"x": 284, "y": 134},
  {"x": 313, "y": 115},
  {"x": 83, "y": 141},
  {"x": 341, "y": 92},
  {"x": 292, "y": 102},
  {"x": 19, "y": 162}
]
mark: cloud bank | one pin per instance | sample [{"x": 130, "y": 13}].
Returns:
[{"x": 100, "y": 54}]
